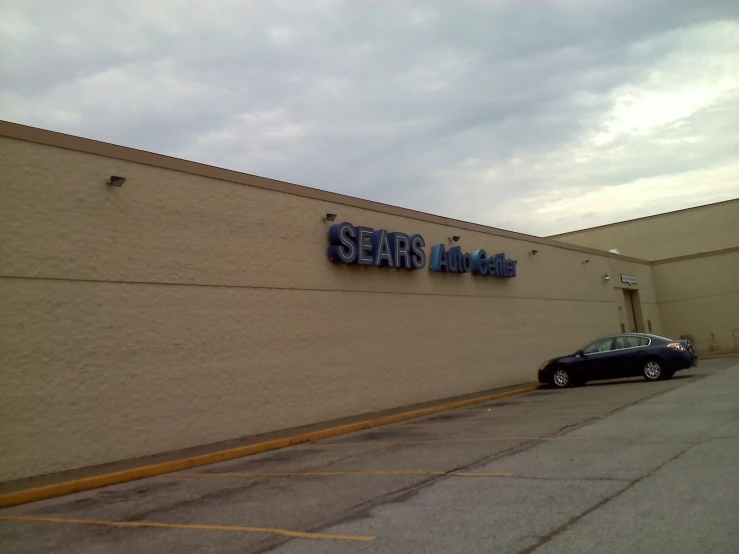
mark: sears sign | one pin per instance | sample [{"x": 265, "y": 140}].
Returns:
[{"x": 351, "y": 244}]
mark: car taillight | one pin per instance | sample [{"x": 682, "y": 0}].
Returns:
[{"x": 676, "y": 346}]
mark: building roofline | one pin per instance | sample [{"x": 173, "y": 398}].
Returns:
[
  {"x": 707, "y": 254},
  {"x": 79, "y": 144},
  {"x": 627, "y": 221}
]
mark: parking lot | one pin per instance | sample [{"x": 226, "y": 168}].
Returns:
[{"x": 612, "y": 467}]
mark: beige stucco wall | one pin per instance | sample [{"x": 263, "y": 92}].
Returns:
[
  {"x": 700, "y": 296},
  {"x": 180, "y": 310},
  {"x": 681, "y": 233}
]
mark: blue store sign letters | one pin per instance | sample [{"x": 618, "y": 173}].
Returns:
[{"x": 367, "y": 246}]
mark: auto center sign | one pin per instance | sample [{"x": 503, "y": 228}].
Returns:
[{"x": 350, "y": 244}]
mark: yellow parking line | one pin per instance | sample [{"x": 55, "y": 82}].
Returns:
[
  {"x": 441, "y": 441},
  {"x": 310, "y": 473},
  {"x": 342, "y": 473},
  {"x": 282, "y": 532},
  {"x": 467, "y": 474}
]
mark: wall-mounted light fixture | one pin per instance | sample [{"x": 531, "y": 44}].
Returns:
[
  {"x": 586, "y": 262},
  {"x": 115, "y": 181},
  {"x": 330, "y": 217},
  {"x": 534, "y": 252},
  {"x": 606, "y": 278},
  {"x": 455, "y": 238}
]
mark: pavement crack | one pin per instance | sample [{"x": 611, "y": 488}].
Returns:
[
  {"x": 573, "y": 520},
  {"x": 574, "y": 479},
  {"x": 361, "y": 510},
  {"x": 216, "y": 495}
]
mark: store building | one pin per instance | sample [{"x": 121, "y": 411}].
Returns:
[
  {"x": 151, "y": 304},
  {"x": 694, "y": 255}
]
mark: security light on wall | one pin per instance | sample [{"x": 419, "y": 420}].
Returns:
[
  {"x": 455, "y": 238},
  {"x": 115, "y": 181},
  {"x": 330, "y": 217},
  {"x": 534, "y": 252},
  {"x": 586, "y": 262},
  {"x": 606, "y": 277}
]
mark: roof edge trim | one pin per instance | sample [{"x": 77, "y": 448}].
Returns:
[
  {"x": 98, "y": 148},
  {"x": 627, "y": 221},
  {"x": 697, "y": 255}
]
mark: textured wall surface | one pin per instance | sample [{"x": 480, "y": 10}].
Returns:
[
  {"x": 682, "y": 233},
  {"x": 700, "y": 296},
  {"x": 180, "y": 310}
]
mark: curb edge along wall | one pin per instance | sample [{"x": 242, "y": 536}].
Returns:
[{"x": 180, "y": 310}]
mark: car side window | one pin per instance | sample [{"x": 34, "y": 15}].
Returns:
[
  {"x": 627, "y": 342},
  {"x": 641, "y": 341},
  {"x": 603, "y": 345}
]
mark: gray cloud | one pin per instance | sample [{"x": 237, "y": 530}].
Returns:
[{"x": 437, "y": 106}]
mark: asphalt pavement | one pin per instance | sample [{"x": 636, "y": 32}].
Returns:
[{"x": 617, "y": 467}]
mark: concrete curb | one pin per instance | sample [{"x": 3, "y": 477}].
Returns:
[
  {"x": 713, "y": 355},
  {"x": 133, "y": 474}
]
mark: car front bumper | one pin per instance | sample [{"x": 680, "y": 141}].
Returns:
[{"x": 544, "y": 376}]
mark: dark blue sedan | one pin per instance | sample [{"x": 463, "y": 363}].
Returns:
[{"x": 617, "y": 356}]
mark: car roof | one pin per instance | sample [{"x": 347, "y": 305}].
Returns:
[{"x": 616, "y": 335}]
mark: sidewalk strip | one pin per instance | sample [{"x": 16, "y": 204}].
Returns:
[{"x": 135, "y": 524}]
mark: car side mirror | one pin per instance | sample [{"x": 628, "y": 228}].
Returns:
[{"x": 580, "y": 353}]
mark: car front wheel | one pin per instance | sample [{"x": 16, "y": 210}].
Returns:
[
  {"x": 561, "y": 378},
  {"x": 653, "y": 371}
]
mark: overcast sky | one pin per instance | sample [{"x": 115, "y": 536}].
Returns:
[{"x": 535, "y": 116}]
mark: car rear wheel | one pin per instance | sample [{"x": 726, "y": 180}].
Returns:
[
  {"x": 561, "y": 378},
  {"x": 653, "y": 371}
]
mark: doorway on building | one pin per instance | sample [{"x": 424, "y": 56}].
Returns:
[{"x": 634, "y": 318}]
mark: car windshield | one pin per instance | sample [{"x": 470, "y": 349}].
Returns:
[
  {"x": 600, "y": 345},
  {"x": 591, "y": 343}
]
